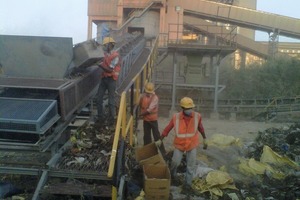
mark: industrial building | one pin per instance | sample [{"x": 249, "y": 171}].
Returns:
[{"x": 196, "y": 38}]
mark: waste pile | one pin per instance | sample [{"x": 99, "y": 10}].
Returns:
[
  {"x": 90, "y": 151},
  {"x": 285, "y": 141},
  {"x": 267, "y": 168},
  {"x": 280, "y": 148}
]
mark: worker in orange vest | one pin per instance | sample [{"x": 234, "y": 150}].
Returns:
[
  {"x": 111, "y": 67},
  {"x": 149, "y": 114},
  {"x": 187, "y": 125}
]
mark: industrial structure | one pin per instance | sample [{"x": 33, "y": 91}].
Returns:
[
  {"x": 196, "y": 38},
  {"x": 45, "y": 90},
  {"x": 180, "y": 45}
]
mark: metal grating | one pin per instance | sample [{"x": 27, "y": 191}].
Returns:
[{"x": 27, "y": 115}]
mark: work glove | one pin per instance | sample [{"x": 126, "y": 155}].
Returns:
[
  {"x": 161, "y": 137},
  {"x": 158, "y": 143},
  {"x": 99, "y": 63},
  {"x": 204, "y": 144}
]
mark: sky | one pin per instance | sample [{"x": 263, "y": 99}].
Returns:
[
  {"x": 54, "y": 18},
  {"x": 288, "y": 8},
  {"x": 68, "y": 18}
]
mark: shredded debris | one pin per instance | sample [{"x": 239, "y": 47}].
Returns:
[{"x": 90, "y": 151}]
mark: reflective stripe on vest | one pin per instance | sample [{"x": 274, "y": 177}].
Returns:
[{"x": 186, "y": 135}]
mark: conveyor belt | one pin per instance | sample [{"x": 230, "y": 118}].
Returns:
[
  {"x": 65, "y": 161},
  {"x": 243, "y": 17},
  {"x": 242, "y": 42},
  {"x": 23, "y": 158}
]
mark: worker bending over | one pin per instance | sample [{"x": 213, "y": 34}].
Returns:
[{"x": 187, "y": 124}]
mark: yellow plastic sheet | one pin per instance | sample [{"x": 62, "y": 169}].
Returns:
[
  {"x": 269, "y": 156},
  {"x": 223, "y": 140},
  {"x": 214, "y": 178},
  {"x": 214, "y": 183},
  {"x": 253, "y": 167}
]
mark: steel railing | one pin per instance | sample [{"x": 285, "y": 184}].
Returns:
[{"x": 127, "y": 114}]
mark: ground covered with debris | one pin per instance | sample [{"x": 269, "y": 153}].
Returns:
[
  {"x": 262, "y": 164},
  {"x": 241, "y": 163}
]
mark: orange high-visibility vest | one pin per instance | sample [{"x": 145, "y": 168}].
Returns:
[
  {"x": 144, "y": 104},
  {"x": 186, "y": 135},
  {"x": 106, "y": 62}
]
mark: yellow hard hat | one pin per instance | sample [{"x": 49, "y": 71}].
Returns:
[
  {"x": 107, "y": 40},
  {"x": 149, "y": 88},
  {"x": 187, "y": 102}
]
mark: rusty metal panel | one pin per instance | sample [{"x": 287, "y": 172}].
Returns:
[
  {"x": 102, "y": 7},
  {"x": 35, "y": 57},
  {"x": 224, "y": 12},
  {"x": 235, "y": 14},
  {"x": 206, "y": 7},
  {"x": 135, "y": 3}
]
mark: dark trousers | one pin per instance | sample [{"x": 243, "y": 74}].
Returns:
[
  {"x": 152, "y": 126},
  {"x": 149, "y": 127},
  {"x": 108, "y": 84}
]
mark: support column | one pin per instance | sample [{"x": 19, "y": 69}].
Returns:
[
  {"x": 90, "y": 28},
  {"x": 273, "y": 43},
  {"x": 215, "y": 111},
  {"x": 120, "y": 13},
  {"x": 243, "y": 59},
  {"x": 216, "y": 89},
  {"x": 163, "y": 39},
  {"x": 174, "y": 81}
]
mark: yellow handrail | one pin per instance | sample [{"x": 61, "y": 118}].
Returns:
[
  {"x": 139, "y": 80},
  {"x": 116, "y": 137}
]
